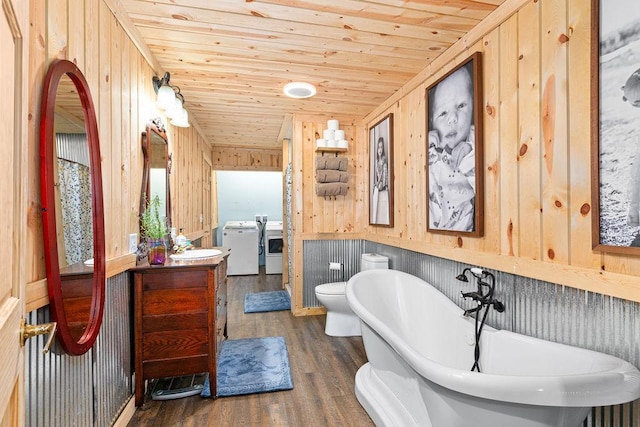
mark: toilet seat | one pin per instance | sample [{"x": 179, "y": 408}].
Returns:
[{"x": 334, "y": 288}]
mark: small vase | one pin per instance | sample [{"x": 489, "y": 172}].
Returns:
[{"x": 157, "y": 251}]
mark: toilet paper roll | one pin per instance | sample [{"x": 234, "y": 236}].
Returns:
[
  {"x": 332, "y": 124},
  {"x": 339, "y": 134},
  {"x": 335, "y": 266},
  {"x": 329, "y": 134},
  {"x": 321, "y": 143},
  {"x": 343, "y": 143}
]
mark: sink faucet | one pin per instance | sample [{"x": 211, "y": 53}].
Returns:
[{"x": 180, "y": 249}]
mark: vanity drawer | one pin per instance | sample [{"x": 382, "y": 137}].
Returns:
[
  {"x": 175, "y": 322},
  {"x": 175, "y": 344},
  {"x": 181, "y": 279},
  {"x": 172, "y": 301},
  {"x": 177, "y": 367}
]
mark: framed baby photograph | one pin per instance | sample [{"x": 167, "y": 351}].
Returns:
[
  {"x": 381, "y": 172},
  {"x": 615, "y": 110},
  {"x": 454, "y": 150}
]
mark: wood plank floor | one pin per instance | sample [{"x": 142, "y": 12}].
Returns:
[{"x": 323, "y": 370}]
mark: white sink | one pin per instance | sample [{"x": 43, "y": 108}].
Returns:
[{"x": 196, "y": 254}]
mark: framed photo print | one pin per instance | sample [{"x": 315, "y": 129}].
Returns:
[
  {"x": 615, "y": 126},
  {"x": 381, "y": 172},
  {"x": 454, "y": 150}
]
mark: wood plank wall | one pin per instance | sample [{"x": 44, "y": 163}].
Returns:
[
  {"x": 119, "y": 77},
  {"x": 247, "y": 159},
  {"x": 338, "y": 214},
  {"x": 191, "y": 153},
  {"x": 536, "y": 62},
  {"x": 315, "y": 217}
]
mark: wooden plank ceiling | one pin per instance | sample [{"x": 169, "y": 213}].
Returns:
[{"x": 231, "y": 58}]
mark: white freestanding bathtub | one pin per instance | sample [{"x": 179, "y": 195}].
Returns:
[{"x": 421, "y": 349}]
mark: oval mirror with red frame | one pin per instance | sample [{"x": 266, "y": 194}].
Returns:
[{"x": 72, "y": 207}]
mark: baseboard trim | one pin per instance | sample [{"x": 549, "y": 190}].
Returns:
[{"x": 127, "y": 414}]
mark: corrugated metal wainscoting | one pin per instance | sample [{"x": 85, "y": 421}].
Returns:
[
  {"x": 87, "y": 390},
  {"x": 317, "y": 256},
  {"x": 535, "y": 308}
]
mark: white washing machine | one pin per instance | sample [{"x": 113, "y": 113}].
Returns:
[
  {"x": 274, "y": 245},
  {"x": 242, "y": 238}
]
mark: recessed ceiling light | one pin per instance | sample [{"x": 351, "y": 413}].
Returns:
[{"x": 299, "y": 90}]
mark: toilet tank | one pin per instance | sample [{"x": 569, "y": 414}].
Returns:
[{"x": 372, "y": 261}]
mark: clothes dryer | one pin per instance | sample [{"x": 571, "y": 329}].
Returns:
[{"x": 274, "y": 245}]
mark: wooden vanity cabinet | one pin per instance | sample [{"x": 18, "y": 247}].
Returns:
[{"x": 180, "y": 317}]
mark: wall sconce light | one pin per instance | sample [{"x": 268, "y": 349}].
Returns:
[{"x": 171, "y": 101}]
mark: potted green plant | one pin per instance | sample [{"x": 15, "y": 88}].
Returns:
[{"x": 154, "y": 229}]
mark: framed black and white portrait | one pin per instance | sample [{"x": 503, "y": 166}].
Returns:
[
  {"x": 454, "y": 151},
  {"x": 615, "y": 121},
  {"x": 381, "y": 172}
]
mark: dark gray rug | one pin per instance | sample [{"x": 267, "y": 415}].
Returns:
[
  {"x": 267, "y": 301},
  {"x": 252, "y": 365}
]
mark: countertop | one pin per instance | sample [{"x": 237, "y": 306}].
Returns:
[{"x": 171, "y": 263}]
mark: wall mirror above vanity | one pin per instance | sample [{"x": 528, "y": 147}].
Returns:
[
  {"x": 72, "y": 207},
  {"x": 156, "y": 169}
]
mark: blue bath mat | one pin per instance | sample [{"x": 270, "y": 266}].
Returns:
[
  {"x": 252, "y": 365},
  {"x": 267, "y": 301}
]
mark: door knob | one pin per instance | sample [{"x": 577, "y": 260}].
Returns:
[{"x": 29, "y": 331}]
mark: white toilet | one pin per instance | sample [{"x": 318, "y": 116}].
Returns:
[{"x": 341, "y": 320}]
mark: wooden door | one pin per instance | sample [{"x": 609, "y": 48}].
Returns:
[{"x": 14, "y": 47}]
